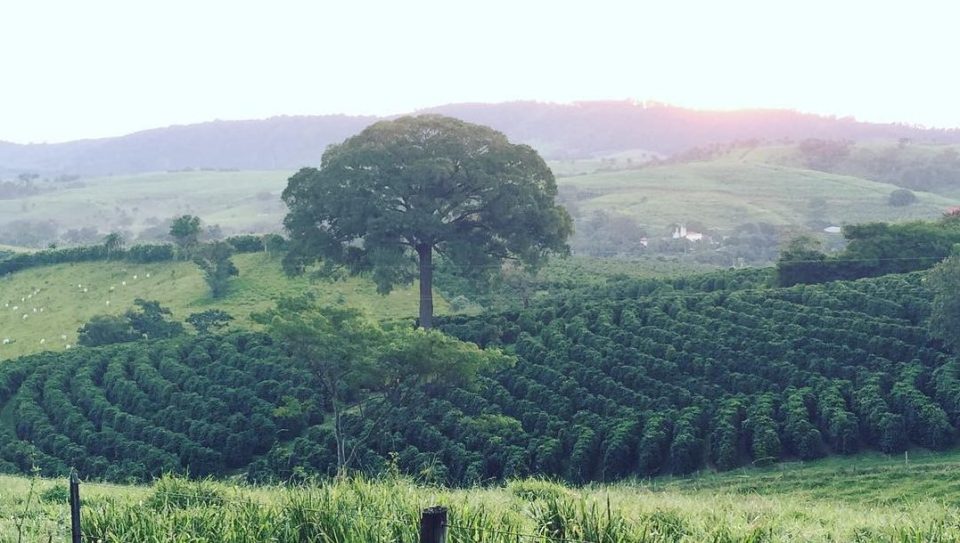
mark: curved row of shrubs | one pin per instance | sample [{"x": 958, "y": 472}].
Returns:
[{"x": 142, "y": 254}]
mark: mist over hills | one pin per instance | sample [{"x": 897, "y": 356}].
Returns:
[{"x": 577, "y": 130}]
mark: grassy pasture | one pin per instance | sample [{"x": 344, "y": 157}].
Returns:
[
  {"x": 722, "y": 193},
  {"x": 70, "y": 294},
  {"x": 860, "y": 498},
  {"x": 237, "y": 200}
]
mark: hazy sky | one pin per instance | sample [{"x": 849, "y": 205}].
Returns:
[{"x": 73, "y": 69}]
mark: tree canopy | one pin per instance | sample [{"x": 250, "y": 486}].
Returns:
[
  {"x": 185, "y": 231},
  {"x": 357, "y": 361},
  {"x": 384, "y": 200},
  {"x": 150, "y": 320},
  {"x": 944, "y": 281},
  {"x": 213, "y": 259}
]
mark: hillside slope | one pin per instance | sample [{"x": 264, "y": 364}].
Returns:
[
  {"x": 639, "y": 378},
  {"x": 58, "y": 299},
  {"x": 931, "y": 168},
  {"x": 242, "y": 201},
  {"x": 722, "y": 193}
]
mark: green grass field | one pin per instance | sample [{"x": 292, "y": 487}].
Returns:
[
  {"x": 245, "y": 200},
  {"x": 57, "y": 300},
  {"x": 859, "y": 498},
  {"x": 179, "y": 286},
  {"x": 723, "y": 193}
]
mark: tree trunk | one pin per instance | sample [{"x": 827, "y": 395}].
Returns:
[{"x": 425, "y": 253}]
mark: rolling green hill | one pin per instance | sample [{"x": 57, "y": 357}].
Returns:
[
  {"x": 634, "y": 379},
  {"x": 237, "y": 201},
  {"x": 925, "y": 167},
  {"x": 719, "y": 194},
  {"x": 57, "y": 300},
  {"x": 718, "y": 191}
]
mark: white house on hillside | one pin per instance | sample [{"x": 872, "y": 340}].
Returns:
[{"x": 681, "y": 232}]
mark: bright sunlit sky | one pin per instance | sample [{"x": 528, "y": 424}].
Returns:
[{"x": 79, "y": 69}]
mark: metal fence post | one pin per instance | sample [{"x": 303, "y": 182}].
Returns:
[
  {"x": 433, "y": 525},
  {"x": 75, "y": 506}
]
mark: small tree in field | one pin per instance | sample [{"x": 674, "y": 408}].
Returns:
[
  {"x": 359, "y": 363},
  {"x": 213, "y": 259},
  {"x": 902, "y": 197},
  {"x": 185, "y": 232},
  {"x": 210, "y": 321},
  {"x": 113, "y": 242},
  {"x": 385, "y": 200}
]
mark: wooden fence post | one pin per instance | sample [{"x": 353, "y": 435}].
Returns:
[
  {"x": 75, "y": 506},
  {"x": 433, "y": 525}
]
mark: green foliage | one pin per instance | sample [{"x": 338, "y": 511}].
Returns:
[
  {"x": 944, "y": 281},
  {"x": 537, "y": 489},
  {"x": 106, "y": 330},
  {"x": 603, "y": 234},
  {"x": 927, "y": 168},
  {"x": 211, "y": 321},
  {"x": 113, "y": 242},
  {"x": 247, "y": 243},
  {"x": 185, "y": 231},
  {"x": 384, "y": 200},
  {"x": 58, "y": 493},
  {"x": 274, "y": 244},
  {"x": 213, "y": 259},
  {"x": 823, "y": 154},
  {"x": 801, "y": 262},
  {"x": 843, "y": 499},
  {"x": 91, "y": 253},
  {"x": 872, "y": 249},
  {"x": 177, "y": 493},
  {"x": 175, "y": 284},
  {"x": 902, "y": 197},
  {"x": 636, "y": 378},
  {"x": 148, "y": 322},
  {"x": 357, "y": 361},
  {"x": 151, "y": 320},
  {"x": 138, "y": 410}
]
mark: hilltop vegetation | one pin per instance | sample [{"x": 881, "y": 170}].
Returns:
[
  {"x": 578, "y": 130},
  {"x": 873, "y": 249},
  {"x": 930, "y": 168}
]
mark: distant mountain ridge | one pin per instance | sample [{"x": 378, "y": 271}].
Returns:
[{"x": 575, "y": 130}]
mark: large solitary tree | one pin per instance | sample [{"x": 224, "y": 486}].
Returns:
[{"x": 383, "y": 201}]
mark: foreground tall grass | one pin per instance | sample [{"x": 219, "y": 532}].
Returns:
[{"x": 868, "y": 498}]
